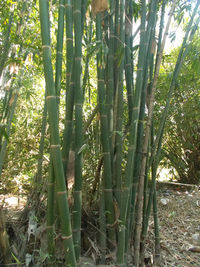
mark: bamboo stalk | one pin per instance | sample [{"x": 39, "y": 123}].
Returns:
[
  {"x": 4, "y": 241},
  {"x": 182, "y": 54},
  {"x": 126, "y": 190},
  {"x": 87, "y": 60},
  {"x": 119, "y": 100},
  {"x": 77, "y": 209},
  {"x": 69, "y": 85},
  {"x": 59, "y": 49},
  {"x": 102, "y": 224},
  {"x": 107, "y": 180},
  {"x": 128, "y": 58},
  {"x": 156, "y": 230},
  {"x": 50, "y": 215},
  {"x": 144, "y": 149},
  {"x": 155, "y": 156},
  {"x": 9, "y": 121},
  {"x": 55, "y": 140},
  {"x": 38, "y": 175},
  {"x": 6, "y": 45},
  {"x": 146, "y": 76}
]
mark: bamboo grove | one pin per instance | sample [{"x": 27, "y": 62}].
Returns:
[{"x": 128, "y": 57}]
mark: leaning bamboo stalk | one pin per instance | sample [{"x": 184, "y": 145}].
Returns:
[
  {"x": 145, "y": 146},
  {"x": 9, "y": 121},
  {"x": 55, "y": 139},
  {"x": 6, "y": 45},
  {"x": 182, "y": 54},
  {"x": 38, "y": 175},
  {"x": 147, "y": 211},
  {"x": 155, "y": 156}
]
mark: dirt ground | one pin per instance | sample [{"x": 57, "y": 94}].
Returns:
[{"x": 179, "y": 220}]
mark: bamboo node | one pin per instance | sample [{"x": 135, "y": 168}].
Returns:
[
  {"x": 62, "y": 192},
  {"x": 46, "y": 46},
  {"x": 69, "y": 39},
  {"x": 50, "y": 184},
  {"x": 59, "y": 52},
  {"x": 106, "y": 153},
  {"x": 50, "y": 96},
  {"x": 61, "y": 5},
  {"x": 125, "y": 188},
  {"x": 68, "y": 5},
  {"x": 107, "y": 190},
  {"x": 49, "y": 227},
  {"x": 100, "y": 80},
  {"x": 75, "y": 230},
  {"x": 103, "y": 116},
  {"x": 77, "y": 11},
  {"x": 54, "y": 146},
  {"x": 130, "y": 94},
  {"x": 66, "y": 237},
  {"x": 77, "y": 191}
]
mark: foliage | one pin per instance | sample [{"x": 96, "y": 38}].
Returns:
[{"x": 182, "y": 133}]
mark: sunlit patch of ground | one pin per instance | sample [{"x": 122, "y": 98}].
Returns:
[
  {"x": 179, "y": 228},
  {"x": 12, "y": 202}
]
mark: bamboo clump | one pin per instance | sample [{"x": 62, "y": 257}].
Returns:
[{"x": 130, "y": 144}]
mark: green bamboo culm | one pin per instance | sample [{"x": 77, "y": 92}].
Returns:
[
  {"x": 127, "y": 188},
  {"x": 145, "y": 148},
  {"x": 87, "y": 60},
  {"x": 157, "y": 145},
  {"x": 59, "y": 49},
  {"x": 118, "y": 130},
  {"x": 38, "y": 175},
  {"x": 147, "y": 67},
  {"x": 102, "y": 226},
  {"x": 77, "y": 209},
  {"x": 107, "y": 179},
  {"x": 10, "y": 115},
  {"x": 50, "y": 215},
  {"x": 128, "y": 57},
  {"x": 6, "y": 45},
  {"x": 69, "y": 85},
  {"x": 190, "y": 31},
  {"x": 61, "y": 193}
]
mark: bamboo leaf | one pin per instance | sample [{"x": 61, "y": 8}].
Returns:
[{"x": 84, "y": 147}]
